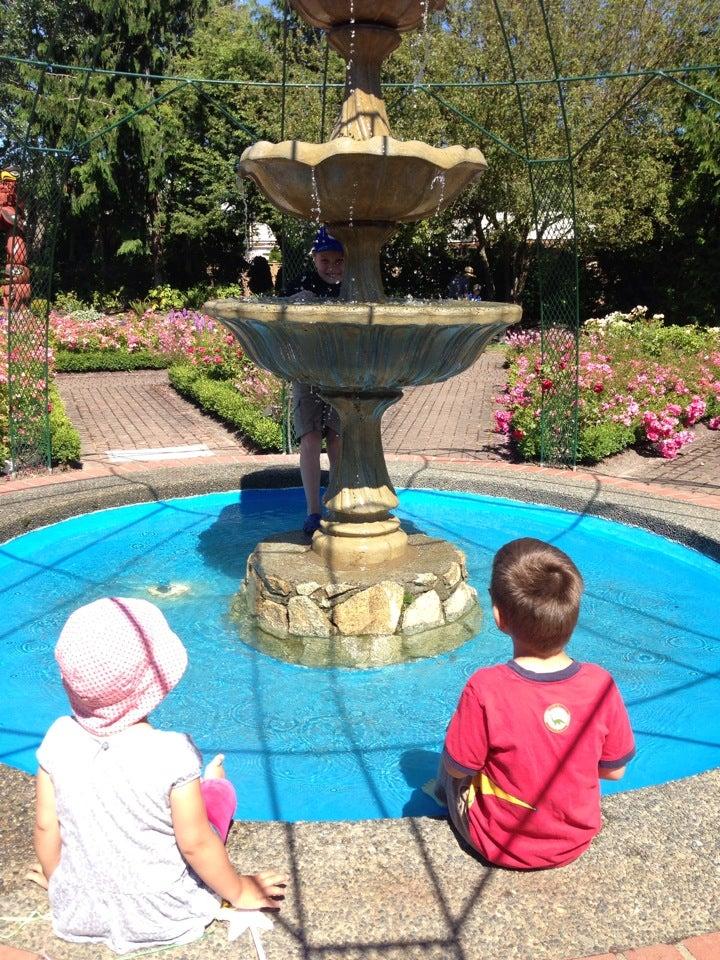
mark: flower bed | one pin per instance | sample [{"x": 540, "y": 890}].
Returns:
[
  {"x": 238, "y": 404},
  {"x": 150, "y": 339},
  {"x": 640, "y": 382},
  {"x": 208, "y": 365}
]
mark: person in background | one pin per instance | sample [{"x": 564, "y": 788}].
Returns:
[
  {"x": 314, "y": 419},
  {"x": 461, "y": 284},
  {"x": 259, "y": 277}
]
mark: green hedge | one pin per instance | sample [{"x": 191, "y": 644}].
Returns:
[
  {"x": 64, "y": 438},
  {"x": 220, "y": 398},
  {"x": 69, "y": 361}
]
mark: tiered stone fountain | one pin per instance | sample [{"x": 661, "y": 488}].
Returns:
[{"x": 364, "y": 592}]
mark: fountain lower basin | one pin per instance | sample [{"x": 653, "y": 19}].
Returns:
[{"x": 330, "y": 743}]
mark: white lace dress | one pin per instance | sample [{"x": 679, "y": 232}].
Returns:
[{"x": 121, "y": 879}]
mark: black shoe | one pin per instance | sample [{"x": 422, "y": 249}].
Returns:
[{"x": 312, "y": 523}]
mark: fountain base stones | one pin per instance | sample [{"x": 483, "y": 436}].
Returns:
[{"x": 294, "y": 608}]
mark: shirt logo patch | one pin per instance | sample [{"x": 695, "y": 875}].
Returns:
[{"x": 557, "y": 718}]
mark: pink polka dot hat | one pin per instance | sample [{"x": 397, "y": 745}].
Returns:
[{"x": 118, "y": 660}]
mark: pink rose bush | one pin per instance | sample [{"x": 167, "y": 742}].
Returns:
[{"x": 639, "y": 382}]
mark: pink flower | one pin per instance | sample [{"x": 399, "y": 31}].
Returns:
[
  {"x": 714, "y": 423},
  {"x": 695, "y": 410},
  {"x": 502, "y": 421}
]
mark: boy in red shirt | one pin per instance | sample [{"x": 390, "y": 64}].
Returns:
[{"x": 530, "y": 738}]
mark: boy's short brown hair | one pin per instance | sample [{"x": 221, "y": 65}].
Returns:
[{"x": 537, "y": 589}]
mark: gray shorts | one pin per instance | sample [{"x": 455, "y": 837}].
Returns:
[
  {"x": 310, "y": 412},
  {"x": 455, "y": 792}
]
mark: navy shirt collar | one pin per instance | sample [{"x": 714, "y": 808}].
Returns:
[{"x": 552, "y": 677}]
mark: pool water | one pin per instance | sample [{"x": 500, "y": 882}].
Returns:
[{"x": 340, "y": 744}]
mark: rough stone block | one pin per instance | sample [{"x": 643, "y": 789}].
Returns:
[
  {"x": 372, "y": 611},
  {"x": 306, "y": 619},
  {"x": 273, "y": 616},
  {"x": 276, "y": 585},
  {"x": 423, "y": 613},
  {"x": 452, "y": 575},
  {"x": 369, "y": 651},
  {"x": 459, "y": 602},
  {"x": 305, "y": 589},
  {"x": 425, "y": 580},
  {"x": 251, "y": 591},
  {"x": 335, "y": 589}
]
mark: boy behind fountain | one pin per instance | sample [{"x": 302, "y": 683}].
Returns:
[{"x": 531, "y": 738}]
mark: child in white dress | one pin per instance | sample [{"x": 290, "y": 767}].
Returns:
[{"x": 129, "y": 838}]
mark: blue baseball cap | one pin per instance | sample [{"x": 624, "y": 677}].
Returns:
[{"x": 323, "y": 241}]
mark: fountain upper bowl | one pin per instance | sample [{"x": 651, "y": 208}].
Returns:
[
  {"x": 398, "y": 14},
  {"x": 346, "y": 180},
  {"x": 361, "y": 348}
]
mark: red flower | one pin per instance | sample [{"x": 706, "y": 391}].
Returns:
[
  {"x": 546, "y": 384},
  {"x": 517, "y": 434},
  {"x": 598, "y": 387}
]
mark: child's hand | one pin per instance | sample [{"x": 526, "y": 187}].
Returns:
[
  {"x": 302, "y": 296},
  {"x": 264, "y": 889}
]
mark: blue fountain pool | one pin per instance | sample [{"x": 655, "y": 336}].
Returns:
[{"x": 338, "y": 744}]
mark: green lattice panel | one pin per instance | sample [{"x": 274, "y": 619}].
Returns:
[
  {"x": 557, "y": 254},
  {"x": 39, "y": 194}
]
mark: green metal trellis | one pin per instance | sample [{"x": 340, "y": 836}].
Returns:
[{"x": 551, "y": 181}]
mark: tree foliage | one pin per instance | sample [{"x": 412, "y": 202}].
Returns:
[{"x": 155, "y": 198}]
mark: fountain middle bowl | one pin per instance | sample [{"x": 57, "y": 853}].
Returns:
[{"x": 351, "y": 348}]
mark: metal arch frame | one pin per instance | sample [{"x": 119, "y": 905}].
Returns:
[
  {"x": 28, "y": 331},
  {"x": 558, "y": 444},
  {"x": 558, "y": 300}
]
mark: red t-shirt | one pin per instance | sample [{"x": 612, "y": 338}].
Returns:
[{"x": 533, "y": 743}]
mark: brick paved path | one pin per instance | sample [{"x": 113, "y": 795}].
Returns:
[
  {"x": 453, "y": 418},
  {"x": 140, "y": 410},
  {"x": 136, "y": 410}
]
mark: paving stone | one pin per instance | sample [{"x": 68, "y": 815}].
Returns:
[
  {"x": 135, "y": 410},
  {"x": 704, "y": 948},
  {"x": 660, "y": 951}
]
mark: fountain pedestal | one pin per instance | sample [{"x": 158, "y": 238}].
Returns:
[{"x": 360, "y": 529}]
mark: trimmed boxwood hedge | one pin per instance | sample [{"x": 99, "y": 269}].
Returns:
[
  {"x": 87, "y": 361},
  {"x": 64, "y": 438},
  {"x": 220, "y": 398}
]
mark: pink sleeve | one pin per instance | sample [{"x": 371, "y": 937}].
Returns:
[
  {"x": 466, "y": 737},
  {"x": 619, "y": 746}
]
